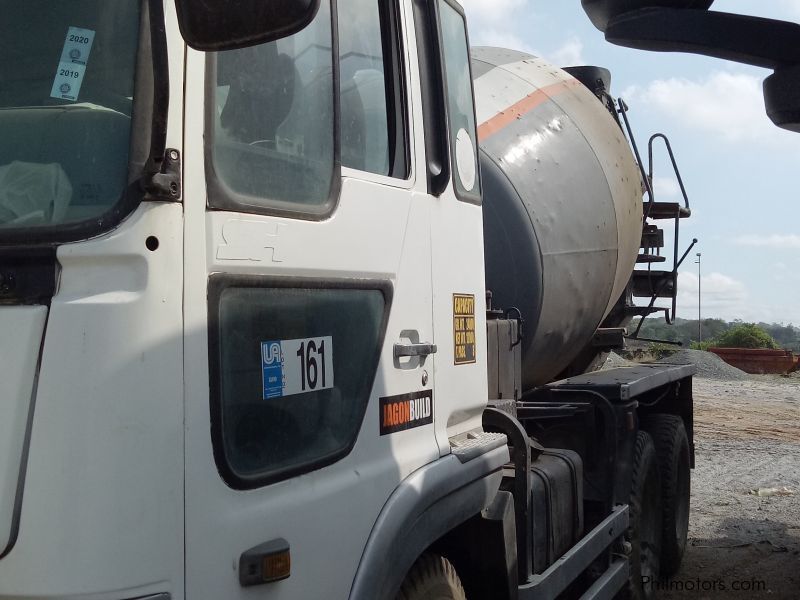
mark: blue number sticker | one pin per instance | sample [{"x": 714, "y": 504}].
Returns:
[
  {"x": 300, "y": 366},
  {"x": 272, "y": 369}
]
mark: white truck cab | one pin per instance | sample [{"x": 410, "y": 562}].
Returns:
[
  {"x": 262, "y": 353},
  {"x": 246, "y": 345}
]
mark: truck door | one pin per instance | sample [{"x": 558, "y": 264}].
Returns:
[
  {"x": 308, "y": 304},
  {"x": 456, "y": 226}
]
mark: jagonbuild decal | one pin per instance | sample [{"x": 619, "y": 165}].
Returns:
[{"x": 406, "y": 411}]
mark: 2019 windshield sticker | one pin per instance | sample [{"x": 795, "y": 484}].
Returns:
[{"x": 72, "y": 64}]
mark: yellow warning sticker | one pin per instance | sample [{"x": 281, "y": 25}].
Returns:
[{"x": 463, "y": 329}]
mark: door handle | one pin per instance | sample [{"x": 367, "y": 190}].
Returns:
[{"x": 403, "y": 350}]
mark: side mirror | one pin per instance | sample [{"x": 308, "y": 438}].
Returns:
[
  {"x": 211, "y": 25},
  {"x": 603, "y": 11},
  {"x": 782, "y": 97}
]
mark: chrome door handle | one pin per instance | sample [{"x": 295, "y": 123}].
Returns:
[{"x": 403, "y": 350}]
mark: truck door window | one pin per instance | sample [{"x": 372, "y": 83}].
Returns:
[
  {"x": 460, "y": 106},
  {"x": 372, "y": 99},
  {"x": 272, "y": 125},
  {"x": 291, "y": 373}
]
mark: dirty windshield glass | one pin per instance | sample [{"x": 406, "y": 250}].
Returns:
[{"x": 66, "y": 95}]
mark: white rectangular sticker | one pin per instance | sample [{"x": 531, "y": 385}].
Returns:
[
  {"x": 291, "y": 367},
  {"x": 72, "y": 64}
]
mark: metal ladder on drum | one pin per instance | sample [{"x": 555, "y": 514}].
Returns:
[{"x": 650, "y": 283}]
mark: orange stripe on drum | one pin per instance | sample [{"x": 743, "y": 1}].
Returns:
[{"x": 503, "y": 119}]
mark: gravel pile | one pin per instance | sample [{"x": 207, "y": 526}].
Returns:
[
  {"x": 709, "y": 365},
  {"x": 614, "y": 360}
]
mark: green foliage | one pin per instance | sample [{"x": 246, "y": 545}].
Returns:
[
  {"x": 686, "y": 332},
  {"x": 746, "y": 335},
  {"x": 787, "y": 336},
  {"x": 712, "y": 328},
  {"x": 702, "y": 345}
]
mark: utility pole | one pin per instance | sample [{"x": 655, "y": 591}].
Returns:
[{"x": 699, "y": 299}]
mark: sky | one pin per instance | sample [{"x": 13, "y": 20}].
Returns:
[{"x": 742, "y": 173}]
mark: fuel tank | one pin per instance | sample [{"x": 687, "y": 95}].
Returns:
[{"x": 562, "y": 205}]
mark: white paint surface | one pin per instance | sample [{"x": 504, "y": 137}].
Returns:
[{"x": 22, "y": 328}]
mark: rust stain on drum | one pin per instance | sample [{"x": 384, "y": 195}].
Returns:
[{"x": 523, "y": 107}]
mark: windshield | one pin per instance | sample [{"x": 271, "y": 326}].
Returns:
[{"x": 66, "y": 96}]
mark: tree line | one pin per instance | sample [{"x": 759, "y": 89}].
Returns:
[{"x": 719, "y": 332}]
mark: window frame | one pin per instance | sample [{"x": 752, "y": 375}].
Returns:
[
  {"x": 220, "y": 196},
  {"x": 440, "y": 149},
  {"x": 476, "y": 195},
  {"x": 434, "y": 116},
  {"x": 217, "y": 284},
  {"x": 395, "y": 79},
  {"x": 396, "y": 89},
  {"x": 402, "y": 87}
]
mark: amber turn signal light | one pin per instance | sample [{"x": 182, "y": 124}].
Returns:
[
  {"x": 276, "y": 566},
  {"x": 265, "y": 563}
]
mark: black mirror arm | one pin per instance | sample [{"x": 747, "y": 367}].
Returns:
[
  {"x": 756, "y": 41},
  {"x": 602, "y": 12}
]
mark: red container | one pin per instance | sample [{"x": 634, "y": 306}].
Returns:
[{"x": 758, "y": 361}]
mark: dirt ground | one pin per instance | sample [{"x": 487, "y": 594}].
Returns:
[{"x": 741, "y": 545}]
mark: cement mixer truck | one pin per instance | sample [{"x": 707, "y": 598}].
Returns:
[{"x": 300, "y": 300}]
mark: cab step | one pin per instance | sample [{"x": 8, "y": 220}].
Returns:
[
  {"x": 643, "y": 311},
  {"x": 666, "y": 210},
  {"x": 654, "y": 284},
  {"x": 650, "y": 259}
]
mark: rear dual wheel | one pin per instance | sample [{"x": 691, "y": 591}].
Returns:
[
  {"x": 645, "y": 517},
  {"x": 674, "y": 465}
]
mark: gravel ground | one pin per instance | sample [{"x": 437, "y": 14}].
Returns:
[{"x": 747, "y": 437}]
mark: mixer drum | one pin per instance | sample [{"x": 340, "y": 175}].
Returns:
[{"x": 562, "y": 205}]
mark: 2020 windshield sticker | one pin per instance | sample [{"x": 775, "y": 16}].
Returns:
[
  {"x": 290, "y": 367},
  {"x": 72, "y": 64}
]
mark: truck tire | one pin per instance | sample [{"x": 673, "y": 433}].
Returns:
[
  {"x": 644, "y": 531},
  {"x": 672, "y": 450},
  {"x": 432, "y": 577}
]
